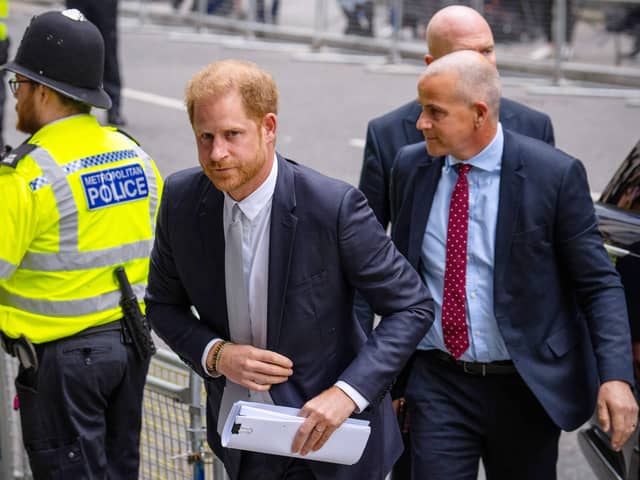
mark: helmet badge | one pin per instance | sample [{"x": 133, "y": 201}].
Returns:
[{"x": 74, "y": 14}]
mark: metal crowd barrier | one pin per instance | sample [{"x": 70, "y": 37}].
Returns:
[
  {"x": 173, "y": 438},
  {"x": 520, "y": 28},
  {"x": 13, "y": 460}
]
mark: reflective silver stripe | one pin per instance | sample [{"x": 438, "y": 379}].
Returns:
[
  {"x": 67, "y": 209},
  {"x": 153, "y": 185},
  {"x": 6, "y": 269},
  {"x": 60, "y": 262},
  {"x": 68, "y": 258},
  {"x": 67, "y": 308},
  {"x": 86, "y": 162}
]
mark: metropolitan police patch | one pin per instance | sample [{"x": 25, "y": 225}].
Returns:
[{"x": 116, "y": 185}]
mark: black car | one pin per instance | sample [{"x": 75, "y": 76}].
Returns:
[{"x": 618, "y": 211}]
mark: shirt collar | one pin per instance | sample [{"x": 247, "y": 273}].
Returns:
[
  {"x": 252, "y": 205},
  {"x": 489, "y": 159}
]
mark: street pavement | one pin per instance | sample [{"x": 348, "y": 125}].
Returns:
[{"x": 324, "y": 109}]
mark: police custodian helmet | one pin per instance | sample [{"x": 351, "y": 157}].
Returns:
[{"x": 65, "y": 52}]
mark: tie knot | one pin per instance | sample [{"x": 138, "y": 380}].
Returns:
[{"x": 463, "y": 168}]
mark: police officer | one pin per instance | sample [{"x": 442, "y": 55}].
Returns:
[{"x": 78, "y": 200}]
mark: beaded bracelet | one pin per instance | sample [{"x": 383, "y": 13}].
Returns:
[
  {"x": 214, "y": 355},
  {"x": 218, "y": 354}
]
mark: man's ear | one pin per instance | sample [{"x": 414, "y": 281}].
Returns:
[
  {"x": 45, "y": 94},
  {"x": 269, "y": 126},
  {"x": 428, "y": 58},
  {"x": 481, "y": 111}
]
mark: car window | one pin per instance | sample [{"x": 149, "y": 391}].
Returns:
[{"x": 623, "y": 190}]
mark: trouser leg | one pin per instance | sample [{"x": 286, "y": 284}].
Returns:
[
  {"x": 66, "y": 409},
  {"x": 258, "y": 466},
  {"x": 457, "y": 418},
  {"x": 123, "y": 419},
  {"x": 446, "y": 425}
]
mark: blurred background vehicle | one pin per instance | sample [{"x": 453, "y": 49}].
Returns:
[{"x": 618, "y": 211}]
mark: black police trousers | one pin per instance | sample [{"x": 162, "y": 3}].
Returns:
[{"x": 81, "y": 411}]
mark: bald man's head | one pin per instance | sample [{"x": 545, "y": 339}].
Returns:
[
  {"x": 458, "y": 27},
  {"x": 460, "y": 98}
]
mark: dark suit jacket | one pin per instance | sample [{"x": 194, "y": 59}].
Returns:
[
  {"x": 324, "y": 243},
  {"x": 549, "y": 261},
  {"x": 392, "y": 131},
  {"x": 389, "y": 133}
]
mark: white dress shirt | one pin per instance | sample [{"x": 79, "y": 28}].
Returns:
[{"x": 256, "y": 227}]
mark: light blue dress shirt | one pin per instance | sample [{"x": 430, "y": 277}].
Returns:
[{"x": 485, "y": 341}]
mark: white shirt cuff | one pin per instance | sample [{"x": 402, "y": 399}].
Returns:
[
  {"x": 359, "y": 400},
  {"x": 203, "y": 360}
]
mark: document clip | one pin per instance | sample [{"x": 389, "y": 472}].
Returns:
[{"x": 237, "y": 428}]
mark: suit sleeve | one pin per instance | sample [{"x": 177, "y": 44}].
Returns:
[
  {"x": 597, "y": 284},
  {"x": 374, "y": 185},
  {"x": 398, "y": 188},
  {"x": 168, "y": 305},
  {"x": 392, "y": 288}
]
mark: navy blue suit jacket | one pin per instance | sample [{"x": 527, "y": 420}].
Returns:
[
  {"x": 549, "y": 264},
  {"x": 324, "y": 243},
  {"x": 392, "y": 131}
]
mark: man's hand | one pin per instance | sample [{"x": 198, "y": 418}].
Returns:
[
  {"x": 635, "y": 348},
  {"x": 617, "y": 411},
  {"x": 402, "y": 413},
  {"x": 254, "y": 368},
  {"x": 324, "y": 413}
]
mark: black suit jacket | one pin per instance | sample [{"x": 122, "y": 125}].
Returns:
[
  {"x": 324, "y": 243},
  {"x": 549, "y": 264}
]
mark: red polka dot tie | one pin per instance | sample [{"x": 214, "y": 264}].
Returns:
[{"x": 454, "y": 324}]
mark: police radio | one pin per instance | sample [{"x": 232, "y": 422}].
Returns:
[{"x": 136, "y": 330}]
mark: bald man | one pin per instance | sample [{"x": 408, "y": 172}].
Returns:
[
  {"x": 502, "y": 231},
  {"x": 452, "y": 28}
]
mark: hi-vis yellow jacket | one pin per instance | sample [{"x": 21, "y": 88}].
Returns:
[
  {"x": 4, "y": 13},
  {"x": 82, "y": 201}
]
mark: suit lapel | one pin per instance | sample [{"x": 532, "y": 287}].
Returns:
[
  {"x": 508, "y": 119},
  {"x": 511, "y": 178},
  {"x": 212, "y": 235},
  {"x": 409, "y": 123},
  {"x": 281, "y": 238},
  {"x": 428, "y": 174}
]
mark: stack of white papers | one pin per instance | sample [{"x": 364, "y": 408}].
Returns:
[{"x": 263, "y": 428}]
